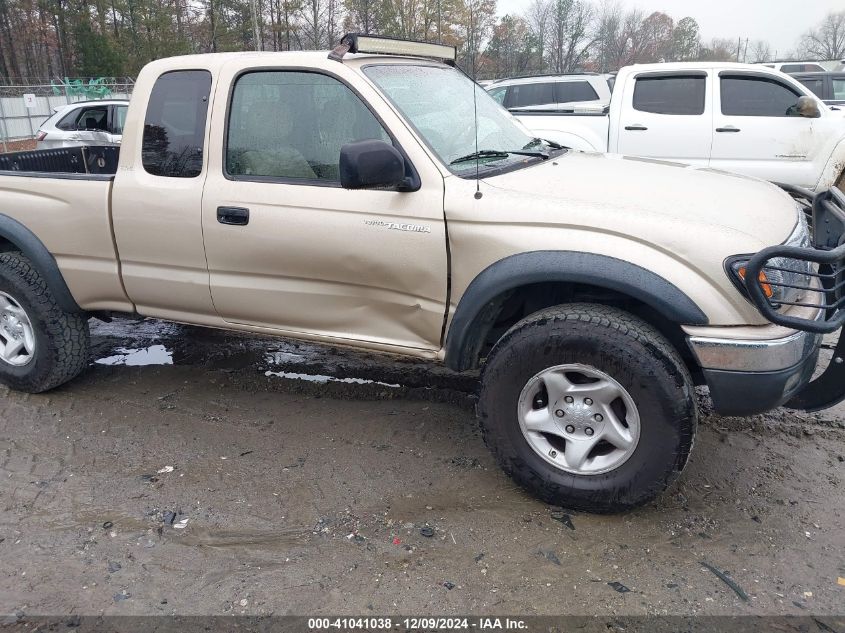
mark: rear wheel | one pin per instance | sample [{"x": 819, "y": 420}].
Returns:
[
  {"x": 588, "y": 407},
  {"x": 41, "y": 345}
]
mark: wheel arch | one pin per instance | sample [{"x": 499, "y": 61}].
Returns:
[
  {"x": 14, "y": 236},
  {"x": 560, "y": 276}
]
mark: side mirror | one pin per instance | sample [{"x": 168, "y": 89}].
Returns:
[
  {"x": 808, "y": 108},
  {"x": 370, "y": 164}
]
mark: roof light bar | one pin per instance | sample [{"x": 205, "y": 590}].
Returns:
[{"x": 364, "y": 43}]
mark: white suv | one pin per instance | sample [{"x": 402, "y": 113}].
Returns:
[
  {"x": 84, "y": 123},
  {"x": 552, "y": 92}
]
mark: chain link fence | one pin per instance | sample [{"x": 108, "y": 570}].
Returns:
[{"x": 24, "y": 107}]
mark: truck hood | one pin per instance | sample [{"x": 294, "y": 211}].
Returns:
[{"x": 648, "y": 191}]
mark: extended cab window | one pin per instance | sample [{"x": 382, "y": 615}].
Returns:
[
  {"x": 174, "y": 128},
  {"x": 575, "y": 91},
  {"x": 524, "y": 95},
  {"x": 838, "y": 86},
  {"x": 291, "y": 125},
  {"x": 757, "y": 96},
  {"x": 670, "y": 94}
]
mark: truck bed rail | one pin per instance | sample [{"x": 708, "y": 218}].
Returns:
[{"x": 85, "y": 159}]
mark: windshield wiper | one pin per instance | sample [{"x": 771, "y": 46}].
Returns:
[
  {"x": 495, "y": 153},
  {"x": 538, "y": 141}
]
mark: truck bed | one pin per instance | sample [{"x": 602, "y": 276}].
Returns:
[
  {"x": 87, "y": 161},
  {"x": 62, "y": 197}
]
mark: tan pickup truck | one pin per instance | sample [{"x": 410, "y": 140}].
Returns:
[{"x": 375, "y": 197}]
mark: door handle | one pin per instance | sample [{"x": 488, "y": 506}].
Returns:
[
  {"x": 235, "y": 216},
  {"x": 728, "y": 128},
  {"x": 636, "y": 128}
]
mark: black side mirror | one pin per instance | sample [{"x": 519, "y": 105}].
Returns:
[{"x": 371, "y": 164}]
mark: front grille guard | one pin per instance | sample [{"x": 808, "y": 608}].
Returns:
[{"x": 825, "y": 292}]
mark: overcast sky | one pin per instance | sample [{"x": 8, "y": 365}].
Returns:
[{"x": 781, "y": 22}]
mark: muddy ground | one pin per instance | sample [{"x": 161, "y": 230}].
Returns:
[{"x": 303, "y": 494}]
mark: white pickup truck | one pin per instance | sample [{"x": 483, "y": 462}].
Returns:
[{"x": 734, "y": 117}]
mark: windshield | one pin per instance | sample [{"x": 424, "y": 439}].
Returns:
[{"x": 438, "y": 102}]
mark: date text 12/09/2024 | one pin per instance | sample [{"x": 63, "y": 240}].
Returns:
[{"x": 417, "y": 623}]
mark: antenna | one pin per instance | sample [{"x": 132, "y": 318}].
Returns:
[
  {"x": 475, "y": 131},
  {"x": 475, "y": 109}
]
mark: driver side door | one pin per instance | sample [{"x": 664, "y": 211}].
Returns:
[
  {"x": 757, "y": 131},
  {"x": 288, "y": 249}
]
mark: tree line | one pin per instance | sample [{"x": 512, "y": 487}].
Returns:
[{"x": 45, "y": 39}]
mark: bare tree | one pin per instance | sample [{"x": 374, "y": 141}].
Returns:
[
  {"x": 570, "y": 24},
  {"x": 827, "y": 41},
  {"x": 761, "y": 51},
  {"x": 537, "y": 19}
]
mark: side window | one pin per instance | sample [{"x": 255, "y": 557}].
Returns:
[
  {"x": 119, "y": 119},
  {"x": 816, "y": 85},
  {"x": 575, "y": 91},
  {"x": 291, "y": 125},
  {"x": 670, "y": 94},
  {"x": 838, "y": 88},
  {"x": 792, "y": 68},
  {"x": 92, "y": 119},
  {"x": 757, "y": 96},
  {"x": 174, "y": 127},
  {"x": 524, "y": 95},
  {"x": 68, "y": 121},
  {"x": 499, "y": 94}
]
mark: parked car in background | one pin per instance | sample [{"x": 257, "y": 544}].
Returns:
[
  {"x": 743, "y": 118},
  {"x": 84, "y": 123},
  {"x": 795, "y": 67},
  {"x": 829, "y": 87},
  {"x": 551, "y": 92}
]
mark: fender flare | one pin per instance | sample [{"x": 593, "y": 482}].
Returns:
[
  {"x": 600, "y": 271},
  {"x": 30, "y": 246}
]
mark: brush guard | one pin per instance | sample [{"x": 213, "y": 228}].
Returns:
[{"x": 826, "y": 293}]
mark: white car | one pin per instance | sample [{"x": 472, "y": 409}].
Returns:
[
  {"x": 84, "y": 123},
  {"x": 552, "y": 92},
  {"x": 743, "y": 118},
  {"x": 795, "y": 67}
]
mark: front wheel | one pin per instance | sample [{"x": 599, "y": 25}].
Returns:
[{"x": 588, "y": 407}]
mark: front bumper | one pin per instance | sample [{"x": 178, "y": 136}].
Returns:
[{"x": 746, "y": 377}]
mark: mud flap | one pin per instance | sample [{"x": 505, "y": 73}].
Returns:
[{"x": 828, "y": 389}]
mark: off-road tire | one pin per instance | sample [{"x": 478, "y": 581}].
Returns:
[
  {"x": 629, "y": 350},
  {"x": 61, "y": 338}
]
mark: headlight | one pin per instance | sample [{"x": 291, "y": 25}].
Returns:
[{"x": 783, "y": 279}]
